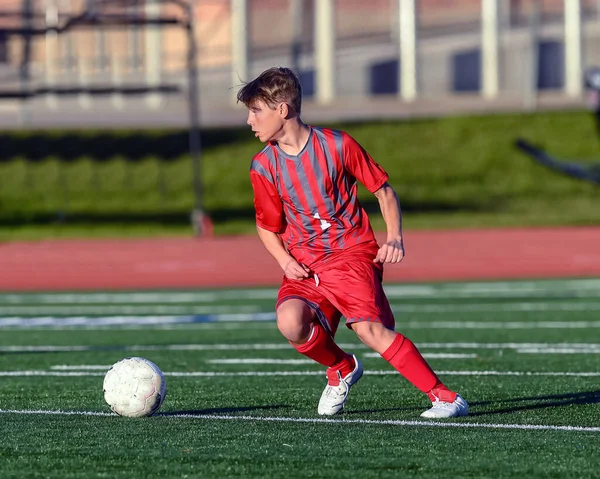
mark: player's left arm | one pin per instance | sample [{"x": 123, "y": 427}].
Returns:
[
  {"x": 360, "y": 164},
  {"x": 392, "y": 251}
]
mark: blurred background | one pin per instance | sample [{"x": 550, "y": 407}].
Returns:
[{"x": 119, "y": 118}]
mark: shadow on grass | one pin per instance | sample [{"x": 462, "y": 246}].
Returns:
[
  {"x": 219, "y": 215},
  {"x": 388, "y": 409},
  {"x": 104, "y": 145},
  {"x": 538, "y": 402},
  {"x": 439, "y": 206},
  {"x": 124, "y": 219},
  {"x": 225, "y": 410}
]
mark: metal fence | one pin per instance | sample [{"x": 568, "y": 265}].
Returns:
[{"x": 341, "y": 49}]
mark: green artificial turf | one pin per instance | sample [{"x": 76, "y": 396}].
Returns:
[{"x": 524, "y": 354}]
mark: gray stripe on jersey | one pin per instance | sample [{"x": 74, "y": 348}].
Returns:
[
  {"x": 261, "y": 170},
  {"x": 295, "y": 229},
  {"x": 311, "y": 200},
  {"x": 306, "y": 223},
  {"x": 339, "y": 141},
  {"x": 275, "y": 160},
  {"x": 321, "y": 175},
  {"x": 335, "y": 176},
  {"x": 288, "y": 185},
  {"x": 270, "y": 154}
]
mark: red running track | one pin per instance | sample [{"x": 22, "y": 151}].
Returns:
[{"x": 117, "y": 264}]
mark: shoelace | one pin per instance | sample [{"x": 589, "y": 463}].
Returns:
[{"x": 338, "y": 390}]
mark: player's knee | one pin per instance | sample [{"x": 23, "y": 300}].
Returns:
[
  {"x": 365, "y": 329},
  {"x": 375, "y": 335},
  {"x": 294, "y": 319}
]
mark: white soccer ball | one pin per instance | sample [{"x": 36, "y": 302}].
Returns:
[{"x": 134, "y": 387}]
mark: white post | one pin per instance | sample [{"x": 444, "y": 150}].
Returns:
[
  {"x": 297, "y": 19},
  {"x": 530, "y": 90},
  {"x": 153, "y": 53},
  {"x": 573, "y": 41},
  {"x": 325, "y": 50},
  {"x": 101, "y": 51},
  {"x": 66, "y": 43},
  {"x": 490, "y": 51},
  {"x": 395, "y": 20},
  {"x": 134, "y": 42},
  {"x": 116, "y": 76},
  {"x": 51, "y": 51},
  {"x": 505, "y": 15},
  {"x": 85, "y": 64},
  {"x": 239, "y": 43},
  {"x": 408, "y": 77}
]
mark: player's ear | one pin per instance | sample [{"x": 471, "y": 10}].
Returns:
[{"x": 283, "y": 110}]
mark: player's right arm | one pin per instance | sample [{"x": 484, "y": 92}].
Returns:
[
  {"x": 274, "y": 245},
  {"x": 270, "y": 221}
]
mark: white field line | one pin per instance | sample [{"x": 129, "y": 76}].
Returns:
[
  {"x": 467, "y": 345},
  {"x": 310, "y": 361},
  {"x": 159, "y": 297},
  {"x": 431, "y": 355},
  {"x": 500, "y": 324},
  {"x": 528, "y": 306},
  {"x": 466, "y": 425},
  {"x": 93, "y": 367},
  {"x": 126, "y": 309},
  {"x": 557, "y": 351},
  {"x": 157, "y": 321},
  {"x": 162, "y": 321},
  {"x": 210, "y": 374},
  {"x": 253, "y": 312},
  {"x": 135, "y": 320},
  {"x": 583, "y": 347},
  {"x": 175, "y": 326},
  {"x": 498, "y": 289},
  {"x": 259, "y": 361},
  {"x": 82, "y": 367},
  {"x": 580, "y": 288}
]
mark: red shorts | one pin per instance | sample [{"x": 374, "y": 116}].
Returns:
[{"x": 352, "y": 289}]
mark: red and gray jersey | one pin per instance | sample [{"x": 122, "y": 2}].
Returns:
[{"x": 311, "y": 199}]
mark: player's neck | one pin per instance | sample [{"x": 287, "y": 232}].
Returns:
[{"x": 294, "y": 138}]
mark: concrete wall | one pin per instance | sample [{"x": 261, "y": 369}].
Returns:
[{"x": 366, "y": 62}]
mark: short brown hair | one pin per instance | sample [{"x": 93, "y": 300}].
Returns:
[{"x": 273, "y": 86}]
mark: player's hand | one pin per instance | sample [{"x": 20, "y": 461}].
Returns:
[
  {"x": 390, "y": 252},
  {"x": 295, "y": 270}
]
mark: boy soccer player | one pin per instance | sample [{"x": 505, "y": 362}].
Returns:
[{"x": 309, "y": 219}]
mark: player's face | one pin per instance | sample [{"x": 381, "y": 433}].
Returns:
[{"x": 266, "y": 122}]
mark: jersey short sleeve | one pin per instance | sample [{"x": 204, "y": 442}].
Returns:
[
  {"x": 267, "y": 203},
  {"x": 360, "y": 165}
]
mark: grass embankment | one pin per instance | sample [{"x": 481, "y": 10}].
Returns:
[{"x": 449, "y": 172}]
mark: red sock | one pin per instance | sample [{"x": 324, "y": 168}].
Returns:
[
  {"x": 407, "y": 360},
  {"x": 321, "y": 348}
]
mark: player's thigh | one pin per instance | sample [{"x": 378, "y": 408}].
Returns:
[
  {"x": 356, "y": 290},
  {"x": 302, "y": 302}
]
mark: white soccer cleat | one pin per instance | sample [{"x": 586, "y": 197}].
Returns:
[
  {"x": 334, "y": 397},
  {"x": 441, "y": 409}
]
